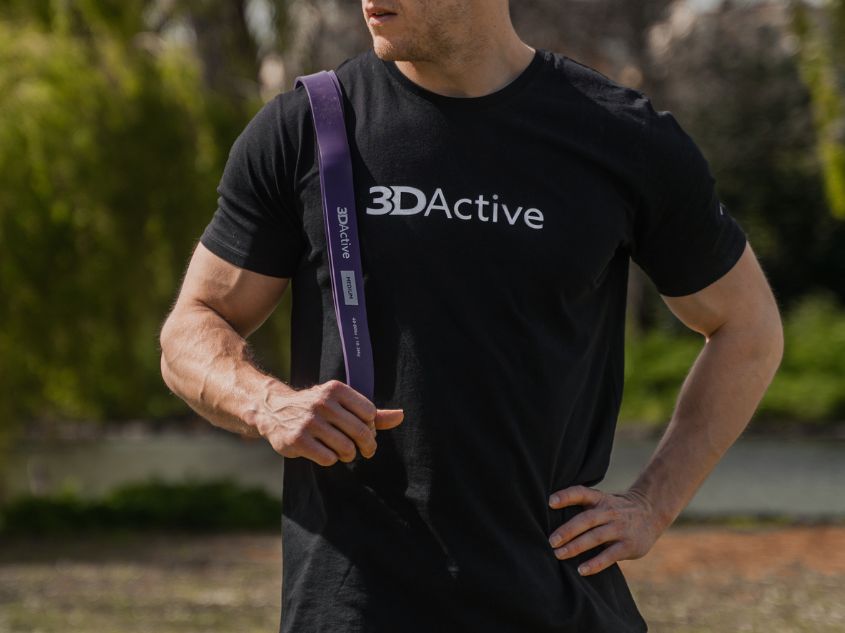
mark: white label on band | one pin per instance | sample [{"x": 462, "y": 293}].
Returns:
[{"x": 350, "y": 293}]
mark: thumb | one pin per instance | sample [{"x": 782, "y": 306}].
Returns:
[{"x": 389, "y": 418}]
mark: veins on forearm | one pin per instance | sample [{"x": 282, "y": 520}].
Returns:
[{"x": 214, "y": 370}]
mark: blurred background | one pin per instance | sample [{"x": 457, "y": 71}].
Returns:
[{"x": 120, "y": 510}]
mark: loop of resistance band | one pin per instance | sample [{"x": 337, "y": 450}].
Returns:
[{"x": 340, "y": 219}]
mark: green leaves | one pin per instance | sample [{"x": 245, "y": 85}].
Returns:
[
  {"x": 823, "y": 70},
  {"x": 807, "y": 388},
  {"x": 109, "y": 160},
  {"x": 213, "y": 506}
]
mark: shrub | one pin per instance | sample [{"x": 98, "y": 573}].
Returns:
[
  {"x": 809, "y": 386},
  {"x": 214, "y": 506}
]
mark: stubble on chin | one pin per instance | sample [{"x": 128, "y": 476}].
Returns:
[
  {"x": 428, "y": 42},
  {"x": 400, "y": 50}
]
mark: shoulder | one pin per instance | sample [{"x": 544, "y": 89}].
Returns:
[
  {"x": 619, "y": 117},
  {"x": 662, "y": 140},
  {"x": 290, "y": 111},
  {"x": 280, "y": 133},
  {"x": 608, "y": 97},
  {"x": 624, "y": 105}
]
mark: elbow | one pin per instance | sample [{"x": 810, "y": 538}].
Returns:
[
  {"x": 765, "y": 340},
  {"x": 771, "y": 327},
  {"x": 778, "y": 343},
  {"x": 756, "y": 336},
  {"x": 770, "y": 350},
  {"x": 165, "y": 372},
  {"x": 166, "y": 341}
]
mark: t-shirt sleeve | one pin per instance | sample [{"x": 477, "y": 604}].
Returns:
[
  {"x": 684, "y": 236},
  {"x": 255, "y": 225}
]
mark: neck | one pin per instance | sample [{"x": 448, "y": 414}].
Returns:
[{"x": 473, "y": 72}]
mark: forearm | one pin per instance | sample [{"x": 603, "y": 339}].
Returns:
[
  {"x": 208, "y": 364},
  {"x": 716, "y": 402}
]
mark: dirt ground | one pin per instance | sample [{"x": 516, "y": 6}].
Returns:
[
  {"x": 773, "y": 580},
  {"x": 697, "y": 579}
]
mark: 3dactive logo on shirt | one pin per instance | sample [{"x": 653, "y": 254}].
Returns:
[{"x": 398, "y": 200}]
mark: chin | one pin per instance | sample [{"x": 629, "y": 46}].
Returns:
[
  {"x": 385, "y": 49},
  {"x": 392, "y": 50}
]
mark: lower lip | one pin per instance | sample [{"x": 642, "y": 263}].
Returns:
[{"x": 381, "y": 20}]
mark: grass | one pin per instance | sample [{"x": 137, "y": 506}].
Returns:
[
  {"x": 806, "y": 602},
  {"x": 133, "y": 584},
  {"x": 698, "y": 579}
]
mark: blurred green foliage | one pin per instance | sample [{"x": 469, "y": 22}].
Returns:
[
  {"x": 110, "y": 152},
  {"x": 809, "y": 386},
  {"x": 656, "y": 363},
  {"x": 823, "y": 67},
  {"x": 210, "y": 506},
  {"x": 113, "y": 138},
  {"x": 754, "y": 123}
]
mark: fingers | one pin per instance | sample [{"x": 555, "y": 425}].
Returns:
[
  {"x": 608, "y": 556},
  {"x": 328, "y": 422},
  {"x": 342, "y": 446},
  {"x": 587, "y": 529},
  {"x": 351, "y": 400},
  {"x": 588, "y": 540},
  {"x": 389, "y": 418},
  {"x": 578, "y": 524},
  {"x": 627, "y": 525},
  {"x": 575, "y": 495},
  {"x": 314, "y": 450},
  {"x": 602, "y": 533},
  {"x": 354, "y": 415},
  {"x": 361, "y": 407},
  {"x": 352, "y": 427},
  {"x": 318, "y": 441}
]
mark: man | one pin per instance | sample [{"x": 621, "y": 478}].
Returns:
[{"x": 501, "y": 192}]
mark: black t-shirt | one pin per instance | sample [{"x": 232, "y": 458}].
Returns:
[{"x": 495, "y": 234}]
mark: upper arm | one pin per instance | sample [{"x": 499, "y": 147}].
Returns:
[
  {"x": 243, "y": 298},
  {"x": 255, "y": 241},
  {"x": 689, "y": 244},
  {"x": 256, "y": 225},
  {"x": 740, "y": 297}
]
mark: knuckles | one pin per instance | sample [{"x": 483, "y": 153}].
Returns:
[
  {"x": 309, "y": 423},
  {"x": 323, "y": 401},
  {"x": 297, "y": 435},
  {"x": 322, "y": 404},
  {"x": 333, "y": 387},
  {"x": 280, "y": 447}
]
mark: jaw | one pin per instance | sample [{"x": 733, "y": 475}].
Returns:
[
  {"x": 404, "y": 36},
  {"x": 419, "y": 36},
  {"x": 396, "y": 48}
]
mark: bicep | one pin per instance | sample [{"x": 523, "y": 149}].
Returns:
[
  {"x": 742, "y": 295},
  {"x": 243, "y": 298}
]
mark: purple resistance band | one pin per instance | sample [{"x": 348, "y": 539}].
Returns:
[{"x": 339, "y": 215}]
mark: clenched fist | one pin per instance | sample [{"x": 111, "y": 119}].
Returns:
[{"x": 324, "y": 423}]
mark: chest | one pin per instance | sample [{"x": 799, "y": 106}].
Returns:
[{"x": 506, "y": 202}]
